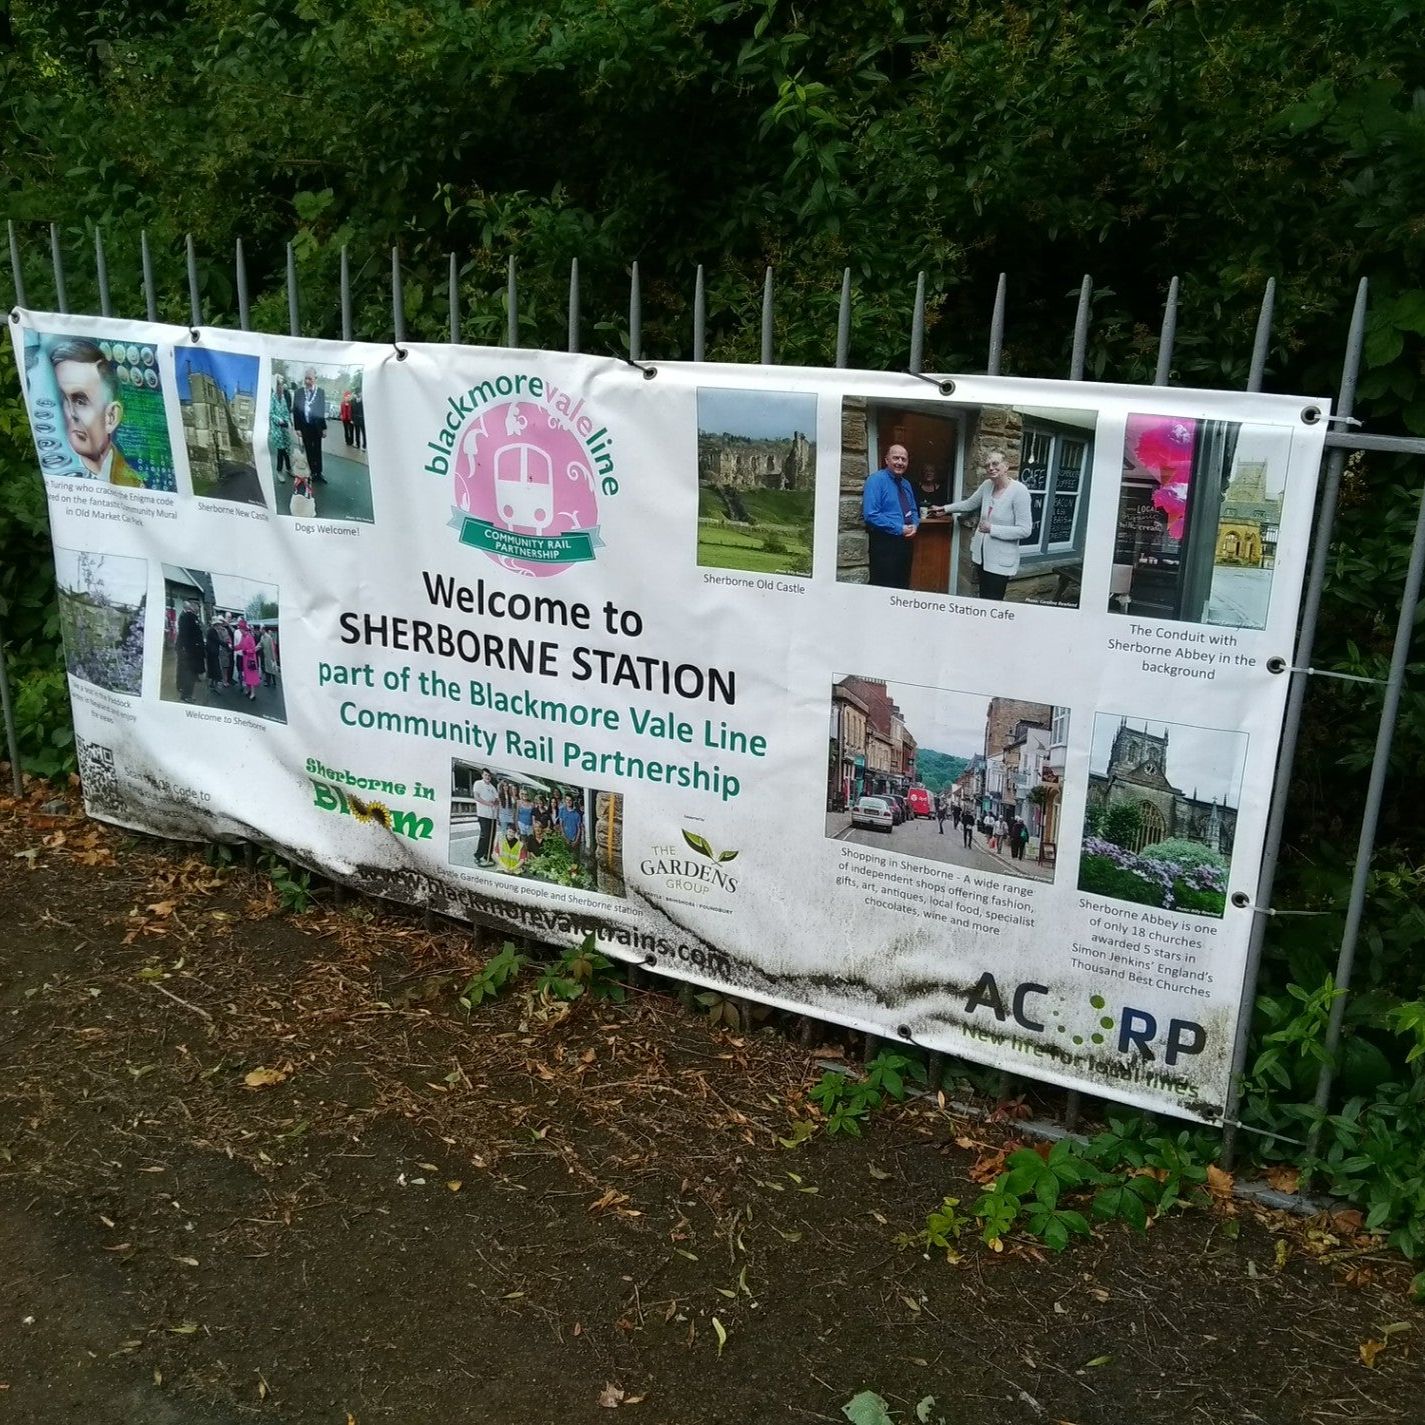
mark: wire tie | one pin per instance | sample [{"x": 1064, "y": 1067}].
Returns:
[
  {"x": 944, "y": 385},
  {"x": 1345, "y": 677},
  {"x": 649, "y": 372}
]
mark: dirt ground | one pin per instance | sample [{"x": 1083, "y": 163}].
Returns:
[{"x": 533, "y": 1213}]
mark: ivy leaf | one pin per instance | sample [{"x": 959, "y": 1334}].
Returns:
[
  {"x": 867, "y": 1408},
  {"x": 699, "y": 844}
]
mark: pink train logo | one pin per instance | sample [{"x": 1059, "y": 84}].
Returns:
[{"x": 525, "y": 489}]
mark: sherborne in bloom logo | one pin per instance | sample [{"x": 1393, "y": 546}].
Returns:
[{"x": 529, "y": 464}]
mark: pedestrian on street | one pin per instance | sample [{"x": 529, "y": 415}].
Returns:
[
  {"x": 968, "y": 827},
  {"x": 1001, "y": 831},
  {"x": 940, "y": 813}
]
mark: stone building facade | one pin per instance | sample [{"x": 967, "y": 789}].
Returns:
[
  {"x": 216, "y": 430},
  {"x": 1137, "y": 776},
  {"x": 1247, "y": 524}
]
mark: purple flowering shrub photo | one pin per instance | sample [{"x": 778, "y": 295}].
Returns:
[{"x": 1193, "y": 883}]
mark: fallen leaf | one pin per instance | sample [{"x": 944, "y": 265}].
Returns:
[
  {"x": 610, "y": 1397},
  {"x": 721, "y": 1332},
  {"x": 185, "y": 1328},
  {"x": 1219, "y": 1182},
  {"x": 1097, "y": 1361},
  {"x": 263, "y": 1078},
  {"x": 867, "y": 1408},
  {"x": 1283, "y": 1178},
  {"x": 455, "y": 1184},
  {"x": 1369, "y": 1351}
]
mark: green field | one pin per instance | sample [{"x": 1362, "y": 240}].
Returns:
[{"x": 782, "y": 520}]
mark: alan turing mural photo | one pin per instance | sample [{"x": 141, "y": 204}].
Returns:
[
  {"x": 960, "y": 778},
  {"x": 979, "y": 502},
  {"x": 222, "y": 645},
  {"x": 535, "y": 828},
  {"x": 97, "y": 412},
  {"x": 756, "y": 480},
  {"x": 102, "y": 599},
  {"x": 1161, "y": 818},
  {"x": 217, "y": 396},
  {"x": 316, "y": 440},
  {"x": 1199, "y": 512}
]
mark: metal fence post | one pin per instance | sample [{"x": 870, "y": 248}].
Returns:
[
  {"x": 240, "y": 271},
  {"x": 17, "y": 271},
  {"x": 512, "y": 305},
  {"x": 345, "y": 281},
  {"x": 61, "y": 294},
  {"x": 843, "y": 322},
  {"x": 635, "y": 316},
  {"x": 573, "y": 304},
  {"x": 767, "y": 318},
  {"x": 1073, "y": 1098},
  {"x": 294, "y": 325},
  {"x": 700, "y": 316},
  {"x": 150, "y": 291},
  {"x": 453, "y": 299},
  {"x": 101, "y": 274},
  {"x": 12, "y": 736},
  {"x": 917, "y": 328},
  {"x": 1370, "y": 819},
  {"x": 398, "y": 301},
  {"x": 195, "y": 307},
  {"x": 995, "y": 358},
  {"x": 1291, "y": 721}
]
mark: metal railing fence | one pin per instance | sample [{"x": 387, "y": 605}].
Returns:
[{"x": 1344, "y": 437}]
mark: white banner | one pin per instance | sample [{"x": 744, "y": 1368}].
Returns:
[{"x": 942, "y": 710}]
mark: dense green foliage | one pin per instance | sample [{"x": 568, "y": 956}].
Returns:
[
  {"x": 1134, "y": 141},
  {"x": 938, "y": 770}
]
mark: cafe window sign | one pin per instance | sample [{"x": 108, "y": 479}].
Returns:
[{"x": 1053, "y": 465}]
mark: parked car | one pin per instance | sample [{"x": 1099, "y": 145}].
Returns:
[
  {"x": 902, "y": 807},
  {"x": 920, "y": 801},
  {"x": 875, "y": 813}
]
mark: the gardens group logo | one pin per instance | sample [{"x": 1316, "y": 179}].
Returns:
[
  {"x": 529, "y": 463},
  {"x": 703, "y": 873}
]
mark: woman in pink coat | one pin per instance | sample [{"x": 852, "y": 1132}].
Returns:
[{"x": 251, "y": 665}]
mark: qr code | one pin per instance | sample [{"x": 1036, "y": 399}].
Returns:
[{"x": 96, "y": 772}]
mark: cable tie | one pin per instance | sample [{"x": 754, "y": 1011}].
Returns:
[
  {"x": 1243, "y": 901},
  {"x": 1344, "y": 420},
  {"x": 649, "y": 372},
  {"x": 1344, "y": 677},
  {"x": 401, "y": 352},
  {"x": 944, "y": 385}
]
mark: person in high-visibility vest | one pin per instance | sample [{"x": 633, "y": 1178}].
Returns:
[{"x": 510, "y": 853}]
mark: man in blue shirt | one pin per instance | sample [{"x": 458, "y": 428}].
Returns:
[
  {"x": 571, "y": 822},
  {"x": 892, "y": 517}
]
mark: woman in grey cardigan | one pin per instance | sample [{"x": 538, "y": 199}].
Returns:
[{"x": 1006, "y": 517}]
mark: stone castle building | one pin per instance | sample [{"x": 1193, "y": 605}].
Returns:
[
  {"x": 1247, "y": 524},
  {"x": 1137, "y": 776},
  {"x": 742, "y": 463},
  {"x": 217, "y": 430}
]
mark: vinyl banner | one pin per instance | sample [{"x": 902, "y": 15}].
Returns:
[{"x": 945, "y": 710}]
